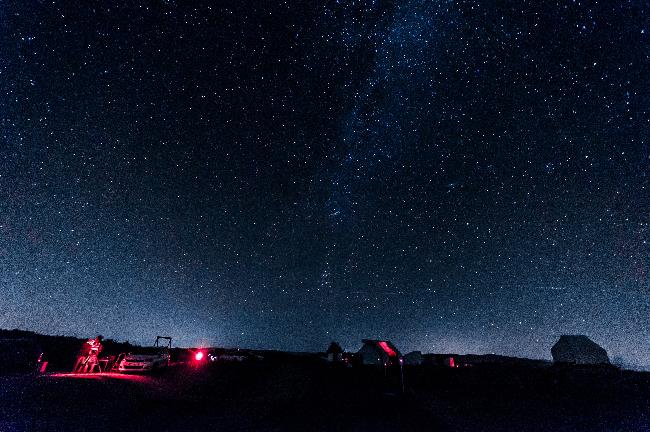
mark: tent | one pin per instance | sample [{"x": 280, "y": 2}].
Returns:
[
  {"x": 334, "y": 352},
  {"x": 578, "y": 349},
  {"x": 378, "y": 352}
]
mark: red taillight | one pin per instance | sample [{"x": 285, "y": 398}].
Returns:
[{"x": 198, "y": 356}]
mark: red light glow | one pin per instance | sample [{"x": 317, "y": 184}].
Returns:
[
  {"x": 102, "y": 376},
  {"x": 198, "y": 356},
  {"x": 388, "y": 350}
]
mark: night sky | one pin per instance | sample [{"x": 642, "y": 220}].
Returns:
[{"x": 456, "y": 176}]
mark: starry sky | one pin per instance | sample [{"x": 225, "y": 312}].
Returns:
[{"x": 455, "y": 176}]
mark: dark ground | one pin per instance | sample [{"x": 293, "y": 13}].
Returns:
[{"x": 307, "y": 395}]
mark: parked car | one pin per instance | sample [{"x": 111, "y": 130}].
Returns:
[{"x": 144, "y": 362}]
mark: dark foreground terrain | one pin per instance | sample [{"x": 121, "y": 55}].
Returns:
[{"x": 308, "y": 395}]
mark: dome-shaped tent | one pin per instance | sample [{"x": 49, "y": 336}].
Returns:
[
  {"x": 380, "y": 353},
  {"x": 578, "y": 349}
]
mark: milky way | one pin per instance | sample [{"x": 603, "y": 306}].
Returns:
[{"x": 453, "y": 176}]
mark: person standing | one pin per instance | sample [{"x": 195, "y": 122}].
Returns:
[
  {"x": 93, "y": 356},
  {"x": 88, "y": 352}
]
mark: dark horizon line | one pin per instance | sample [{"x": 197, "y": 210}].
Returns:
[{"x": 270, "y": 349}]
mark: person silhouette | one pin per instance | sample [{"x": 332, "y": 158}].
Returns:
[{"x": 87, "y": 358}]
